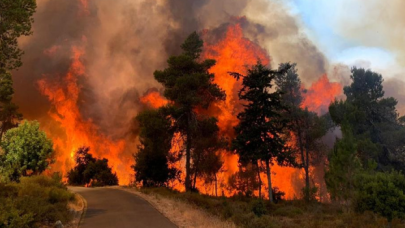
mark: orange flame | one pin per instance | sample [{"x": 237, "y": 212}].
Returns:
[
  {"x": 321, "y": 93},
  {"x": 77, "y": 131},
  {"x": 154, "y": 100},
  {"x": 233, "y": 53}
]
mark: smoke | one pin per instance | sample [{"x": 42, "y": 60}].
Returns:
[
  {"x": 280, "y": 33},
  {"x": 395, "y": 88},
  {"x": 126, "y": 41}
]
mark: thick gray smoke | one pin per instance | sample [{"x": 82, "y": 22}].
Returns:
[{"x": 125, "y": 41}]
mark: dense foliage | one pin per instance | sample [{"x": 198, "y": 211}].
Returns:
[
  {"x": 344, "y": 165},
  {"x": 304, "y": 128},
  {"x": 382, "y": 193},
  {"x": 189, "y": 85},
  {"x": 34, "y": 202},
  {"x": 26, "y": 150},
  {"x": 372, "y": 145},
  {"x": 152, "y": 160},
  {"x": 373, "y": 119},
  {"x": 259, "y": 134},
  {"x": 16, "y": 19},
  {"x": 91, "y": 171}
]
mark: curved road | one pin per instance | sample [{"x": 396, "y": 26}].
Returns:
[{"x": 111, "y": 207}]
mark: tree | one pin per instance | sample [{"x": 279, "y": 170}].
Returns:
[
  {"x": 26, "y": 151},
  {"x": 9, "y": 115},
  {"x": 373, "y": 119},
  {"x": 382, "y": 193},
  {"x": 207, "y": 143},
  {"x": 152, "y": 160},
  {"x": 244, "y": 181},
  {"x": 259, "y": 134},
  {"x": 189, "y": 85},
  {"x": 91, "y": 171},
  {"x": 15, "y": 21},
  {"x": 306, "y": 127},
  {"x": 344, "y": 166}
]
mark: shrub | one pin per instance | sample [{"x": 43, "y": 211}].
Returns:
[
  {"x": 258, "y": 207},
  {"x": 91, "y": 171},
  {"x": 26, "y": 151},
  {"x": 382, "y": 193},
  {"x": 33, "y": 202}
]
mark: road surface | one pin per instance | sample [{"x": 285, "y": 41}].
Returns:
[{"x": 111, "y": 207}]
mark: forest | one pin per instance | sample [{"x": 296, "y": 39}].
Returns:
[{"x": 218, "y": 126}]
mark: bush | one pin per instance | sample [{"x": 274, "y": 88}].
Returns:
[
  {"x": 381, "y": 193},
  {"x": 258, "y": 207},
  {"x": 26, "y": 151},
  {"x": 33, "y": 202},
  {"x": 91, "y": 171}
]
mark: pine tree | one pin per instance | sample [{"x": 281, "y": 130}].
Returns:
[
  {"x": 259, "y": 134},
  {"x": 189, "y": 85},
  {"x": 306, "y": 127}
]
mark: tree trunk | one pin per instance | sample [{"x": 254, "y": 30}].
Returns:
[
  {"x": 260, "y": 180},
  {"x": 196, "y": 171},
  {"x": 216, "y": 186},
  {"x": 268, "y": 171},
  {"x": 188, "y": 154},
  {"x": 306, "y": 167},
  {"x": 304, "y": 162}
]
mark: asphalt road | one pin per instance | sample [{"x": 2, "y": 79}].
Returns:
[{"x": 109, "y": 207}]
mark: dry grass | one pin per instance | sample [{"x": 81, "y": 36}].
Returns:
[
  {"x": 77, "y": 208},
  {"x": 182, "y": 214}
]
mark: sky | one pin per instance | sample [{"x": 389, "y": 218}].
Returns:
[{"x": 354, "y": 32}]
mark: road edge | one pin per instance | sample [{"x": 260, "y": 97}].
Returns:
[
  {"x": 84, "y": 209},
  {"x": 79, "y": 214}
]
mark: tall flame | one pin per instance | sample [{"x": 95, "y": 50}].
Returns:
[
  {"x": 77, "y": 131},
  {"x": 235, "y": 53},
  {"x": 321, "y": 93}
]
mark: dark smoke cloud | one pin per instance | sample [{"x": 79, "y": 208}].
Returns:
[{"x": 125, "y": 41}]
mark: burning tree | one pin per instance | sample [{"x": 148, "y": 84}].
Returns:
[
  {"x": 91, "y": 171},
  {"x": 260, "y": 131},
  {"x": 152, "y": 160},
  {"x": 305, "y": 127},
  {"x": 207, "y": 161},
  {"x": 189, "y": 85}
]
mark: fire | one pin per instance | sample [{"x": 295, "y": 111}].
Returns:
[
  {"x": 77, "y": 131},
  {"x": 154, "y": 99},
  {"x": 233, "y": 53},
  {"x": 321, "y": 93}
]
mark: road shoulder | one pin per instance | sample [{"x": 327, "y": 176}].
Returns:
[{"x": 180, "y": 213}]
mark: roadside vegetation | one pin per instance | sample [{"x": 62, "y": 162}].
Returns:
[
  {"x": 27, "y": 198},
  {"x": 35, "y": 201},
  {"x": 251, "y": 212}
]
